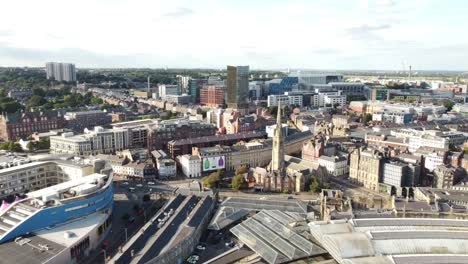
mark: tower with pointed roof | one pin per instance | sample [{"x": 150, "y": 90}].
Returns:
[{"x": 277, "y": 161}]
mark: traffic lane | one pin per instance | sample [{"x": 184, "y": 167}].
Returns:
[
  {"x": 170, "y": 231},
  {"x": 140, "y": 243}
]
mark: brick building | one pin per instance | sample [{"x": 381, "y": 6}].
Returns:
[
  {"x": 212, "y": 95},
  {"x": 22, "y": 125}
]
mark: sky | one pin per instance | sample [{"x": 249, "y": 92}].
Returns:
[{"x": 265, "y": 34}]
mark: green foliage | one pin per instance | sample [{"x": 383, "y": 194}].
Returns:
[
  {"x": 316, "y": 186},
  {"x": 37, "y": 145},
  {"x": 11, "y": 146},
  {"x": 241, "y": 169},
  {"x": 11, "y": 107},
  {"x": 23, "y": 79},
  {"x": 366, "y": 118},
  {"x": 36, "y": 100},
  {"x": 213, "y": 179},
  {"x": 238, "y": 182},
  {"x": 39, "y": 92},
  {"x": 449, "y": 105}
]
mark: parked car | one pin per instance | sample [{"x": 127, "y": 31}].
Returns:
[
  {"x": 124, "y": 183},
  {"x": 230, "y": 244},
  {"x": 151, "y": 183},
  {"x": 201, "y": 247},
  {"x": 139, "y": 185}
]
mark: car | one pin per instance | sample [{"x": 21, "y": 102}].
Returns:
[
  {"x": 151, "y": 183},
  {"x": 131, "y": 189},
  {"x": 131, "y": 220},
  {"x": 201, "y": 247},
  {"x": 139, "y": 185},
  {"x": 124, "y": 183},
  {"x": 229, "y": 244}
]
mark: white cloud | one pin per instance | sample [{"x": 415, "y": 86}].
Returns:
[{"x": 211, "y": 33}]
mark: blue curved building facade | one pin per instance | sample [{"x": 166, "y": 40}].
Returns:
[{"x": 101, "y": 200}]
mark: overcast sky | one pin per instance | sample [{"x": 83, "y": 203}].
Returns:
[{"x": 265, "y": 34}]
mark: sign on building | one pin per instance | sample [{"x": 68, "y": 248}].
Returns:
[{"x": 214, "y": 163}]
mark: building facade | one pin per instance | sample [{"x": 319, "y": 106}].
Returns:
[
  {"x": 365, "y": 168},
  {"x": 237, "y": 87},
  {"x": 275, "y": 100},
  {"x": 78, "y": 121},
  {"x": 22, "y": 125},
  {"x": 61, "y": 71},
  {"x": 92, "y": 142},
  {"x": 212, "y": 96},
  {"x": 335, "y": 165},
  {"x": 190, "y": 165}
]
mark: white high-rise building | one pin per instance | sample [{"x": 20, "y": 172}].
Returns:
[{"x": 61, "y": 71}]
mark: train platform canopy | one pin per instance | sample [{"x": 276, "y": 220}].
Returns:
[
  {"x": 234, "y": 209},
  {"x": 270, "y": 235},
  {"x": 394, "y": 240}
]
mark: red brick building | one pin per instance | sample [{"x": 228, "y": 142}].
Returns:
[
  {"x": 22, "y": 125},
  {"x": 211, "y": 95}
]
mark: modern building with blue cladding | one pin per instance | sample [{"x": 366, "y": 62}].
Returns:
[
  {"x": 30, "y": 218},
  {"x": 285, "y": 85}
]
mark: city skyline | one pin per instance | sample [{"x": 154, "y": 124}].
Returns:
[{"x": 360, "y": 35}]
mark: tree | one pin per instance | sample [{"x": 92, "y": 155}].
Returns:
[
  {"x": 39, "y": 92},
  {"x": 316, "y": 186},
  {"x": 11, "y": 107},
  {"x": 366, "y": 118},
  {"x": 11, "y": 146},
  {"x": 210, "y": 181},
  {"x": 238, "y": 182},
  {"x": 41, "y": 144},
  {"x": 241, "y": 169},
  {"x": 449, "y": 105},
  {"x": 36, "y": 100},
  {"x": 96, "y": 100}
]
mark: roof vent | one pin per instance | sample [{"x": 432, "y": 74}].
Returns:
[{"x": 68, "y": 234}]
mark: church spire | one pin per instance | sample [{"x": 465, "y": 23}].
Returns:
[
  {"x": 278, "y": 115},
  {"x": 277, "y": 162}
]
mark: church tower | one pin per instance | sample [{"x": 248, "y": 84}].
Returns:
[{"x": 277, "y": 161}]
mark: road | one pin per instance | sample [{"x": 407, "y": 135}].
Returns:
[
  {"x": 124, "y": 200},
  {"x": 170, "y": 230},
  {"x": 140, "y": 243}
]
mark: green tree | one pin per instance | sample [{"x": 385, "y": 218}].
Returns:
[
  {"x": 449, "y": 105},
  {"x": 238, "y": 182},
  {"x": 11, "y": 107},
  {"x": 316, "y": 186},
  {"x": 366, "y": 118},
  {"x": 210, "y": 181},
  {"x": 96, "y": 100},
  {"x": 11, "y": 146},
  {"x": 241, "y": 169},
  {"x": 36, "y": 100},
  {"x": 39, "y": 92}
]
